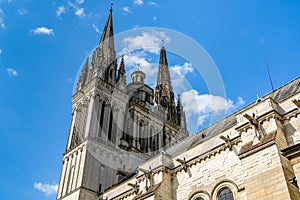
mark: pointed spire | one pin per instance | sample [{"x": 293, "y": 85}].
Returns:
[
  {"x": 121, "y": 82},
  {"x": 164, "y": 94},
  {"x": 104, "y": 57},
  {"x": 107, "y": 37},
  {"x": 121, "y": 71},
  {"x": 179, "y": 104},
  {"x": 84, "y": 74},
  {"x": 163, "y": 76}
]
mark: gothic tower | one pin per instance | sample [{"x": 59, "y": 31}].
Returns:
[{"x": 116, "y": 126}]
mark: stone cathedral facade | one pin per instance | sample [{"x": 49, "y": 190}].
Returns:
[{"x": 130, "y": 142}]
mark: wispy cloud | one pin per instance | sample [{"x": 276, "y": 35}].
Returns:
[
  {"x": 42, "y": 31},
  {"x": 95, "y": 27},
  {"x": 22, "y": 11},
  {"x": 138, "y": 2},
  {"x": 126, "y": 10},
  {"x": 154, "y": 18},
  {"x": 78, "y": 10},
  {"x": 0, "y": 51},
  {"x": 12, "y": 72},
  {"x": 60, "y": 10},
  {"x": 47, "y": 189},
  {"x": 152, "y": 3},
  {"x": 80, "y": 1},
  {"x": 2, "y": 24}
]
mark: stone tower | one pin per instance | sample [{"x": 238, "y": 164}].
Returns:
[{"x": 116, "y": 126}]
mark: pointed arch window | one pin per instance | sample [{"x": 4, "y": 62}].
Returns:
[
  {"x": 111, "y": 72},
  {"x": 141, "y": 135},
  {"x": 225, "y": 194},
  {"x": 151, "y": 138},
  {"x": 101, "y": 179},
  {"x": 102, "y": 114},
  {"x": 109, "y": 134}
]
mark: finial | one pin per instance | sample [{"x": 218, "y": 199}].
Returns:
[
  {"x": 111, "y": 5},
  {"x": 139, "y": 67},
  {"x": 163, "y": 42}
]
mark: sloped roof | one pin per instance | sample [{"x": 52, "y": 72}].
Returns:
[{"x": 277, "y": 95}]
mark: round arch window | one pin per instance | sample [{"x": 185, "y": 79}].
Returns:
[
  {"x": 199, "y": 198},
  {"x": 225, "y": 194}
]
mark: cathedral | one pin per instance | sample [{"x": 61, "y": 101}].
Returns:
[{"x": 130, "y": 142}]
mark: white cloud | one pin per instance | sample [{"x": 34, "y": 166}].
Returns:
[
  {"x": 22, "y": 11},
  {"x": 47, "y": 189},
  {"x": 178, "y": 73},
  {"x": 152, "y": 3},
  {"x": 138, "y": 49},
  {"x": 138, "y": 2},
  {"x": 154, "y": 18},
  {"x": 204, "y": 106},
  {"x": 43, "y": 31},
  {"x": 138, "y": 58},
  {"x": 240, "y": 102},
  {"x": 0, "y": 51},
  {"x": 147, "y": 41},
  {"x": 95, "y": 27},
  {"x": 126, "y": 10},
  {"x": 79, "y": 12},
  {"x": 60, "y": 10},
  {"x": 12, "y": 72},
  {"x": 2, "y": 24},
  {"x": 80, "y": 1}
]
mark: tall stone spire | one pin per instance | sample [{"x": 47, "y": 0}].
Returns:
[
  {"x": 164, "y": 94},
  {"x": 121, "y": 81},
  {"x": 104, "y": 57},
  {"x": 163, "y": 76},
  {"x": 107, "y": 37},
  {"x": 84, "y": 74},
  {"x": 121, "y": 71}
]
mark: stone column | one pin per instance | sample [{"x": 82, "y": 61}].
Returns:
[
  {"x": 90, "y": 122},
  {"x": 106, "y": 121},
  {"x": 62, "y": 177},
  {"x": 120, "y": 126},
  {"x": 98, "y": 117},
  {"x": 115, "y": 123},
  {"x": 134, "y": 132},
  {"x": 74, "y": 114}
]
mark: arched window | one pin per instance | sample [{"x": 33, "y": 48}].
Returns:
[
  {"x": 141, "y": 135},
  {"x": 150, "y": 138},
  {"x": 101, "y": 118},
  {"x": 111, "y": 73},
  {"x": 101, "y": 179},
  {"x": 225, "y": 194},
  {"x": 102, "y": 114},
  {"x": 109, "y": 134},
  {"x": 199, "y": 198}
]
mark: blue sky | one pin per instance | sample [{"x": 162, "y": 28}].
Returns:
[{"x": 43, "y": 44}]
